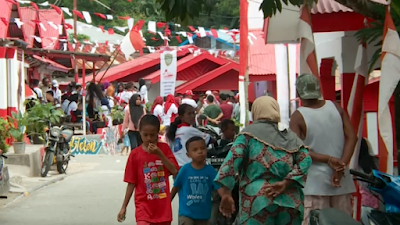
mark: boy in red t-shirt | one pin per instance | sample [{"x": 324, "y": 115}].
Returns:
[{"x": 147, "y": 172}]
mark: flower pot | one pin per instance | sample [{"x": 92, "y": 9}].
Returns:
[
  {"x": 36, "y": 140},
  {"x": 100, "y": 124},
  {"x": 19, "y": 147},
  {"x": 117, "y": 121}
]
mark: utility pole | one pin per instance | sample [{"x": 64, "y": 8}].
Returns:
[
  {"x": 76, "y": 44},
  {"x": 243, "y": 61}
]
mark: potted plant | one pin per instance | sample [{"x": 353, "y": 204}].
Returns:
[
  {"x": 38, "y": 118},
  {"x": 4, "y": 134},
  {"x": 117, "y": 115},
  {"x": 99, "y": 119},
  {"x": 17, "y": 130}
]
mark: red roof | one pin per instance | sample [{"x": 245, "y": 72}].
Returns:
[
  {"x": 5, "y": 12},
  {"x": 27, "y": 16},
  {"x": 205, "y": 60},
  {"x": 131, "y": 67},
  {"x": 261, "y": 56},
  {"x": 229, "y": 82},
  {"x": 51, "y": 64},
  {"x": 50, "y": 35},
  {"x": 331, "y": 6}
]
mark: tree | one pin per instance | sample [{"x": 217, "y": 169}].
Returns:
[
  {"x": 79, "y": 37},
  {"x": 183, "y": 10}
]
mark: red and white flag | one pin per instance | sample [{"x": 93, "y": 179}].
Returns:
[
  {"x": 132, "y": 42},
  {"x": 308, "y": 58},
  {"x": 390, "y": 77},
  {"x": 355, "y": 105}
]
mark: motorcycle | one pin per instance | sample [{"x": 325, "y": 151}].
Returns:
[
  {"x": 387, "y": 186},
  {"x": 2, "y": 157},
  {"x": 212, "y": 131},
  {"x": 57, "y": 149},
  {"x": 215, "y": 158}
]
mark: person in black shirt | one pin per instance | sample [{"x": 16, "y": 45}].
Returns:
[{"x": 78, "y": 113}]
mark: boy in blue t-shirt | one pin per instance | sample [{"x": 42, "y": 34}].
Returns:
[{"x": 195, "y": 182}]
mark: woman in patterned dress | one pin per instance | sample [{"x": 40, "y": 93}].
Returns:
[{"x": 272, "y": 163}]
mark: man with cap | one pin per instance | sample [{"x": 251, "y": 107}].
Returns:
[
  {"x": 187, "y": 99},
  {"x": 56, "y": 92},
  {"x": 326, "y": 128}
]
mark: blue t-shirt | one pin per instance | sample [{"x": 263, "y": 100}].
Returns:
[{"x": 195, "y": 188}]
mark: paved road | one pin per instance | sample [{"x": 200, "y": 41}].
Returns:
[{"x": 90, "y": 197}]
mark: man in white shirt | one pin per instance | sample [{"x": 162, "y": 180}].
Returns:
[
  {"x": 37, "y": 90},
  {"x": 187, "y": 99},
  {"x": 56, "y": 92}
]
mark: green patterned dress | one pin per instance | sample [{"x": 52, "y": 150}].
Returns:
[{"x": 266, "y": 166}]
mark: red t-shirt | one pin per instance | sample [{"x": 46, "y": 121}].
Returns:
[
  {"x": 150, "y": 176},
  {"x": 226, "y": 110}
]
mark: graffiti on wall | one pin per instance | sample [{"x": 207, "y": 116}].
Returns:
[{"x": 82, "y": 145}]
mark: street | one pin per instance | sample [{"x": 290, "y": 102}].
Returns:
[{"x": 89, "y": 197}]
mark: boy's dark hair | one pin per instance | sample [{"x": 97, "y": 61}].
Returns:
[
  {"x": 225, "y": 124},
  {"x": 35, "y": 82},
  {"x": 50, "y": 92},
  {"x": 210, "y": 98},
  {"x": 129, "y": 85},
  {"x": 223, "y": 96},
  {"x": 193, "y": 139},
  {"x": 149, "y": 119}
]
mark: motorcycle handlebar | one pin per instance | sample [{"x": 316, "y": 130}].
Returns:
[
  {"x": 3, "y": 156},
  {"x": 361, "y": 175}
]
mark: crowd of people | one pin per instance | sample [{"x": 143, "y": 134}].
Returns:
[
  {"x": 284, "y": 173},
  {"x": 100, "y": 99}
]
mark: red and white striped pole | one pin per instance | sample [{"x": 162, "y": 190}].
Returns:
[
  {"x": 3, "y": 82},
  {"x": 356, "y": 112},
  {"x": 243, "y": 58}
]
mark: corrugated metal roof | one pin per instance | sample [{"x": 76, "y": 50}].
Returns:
[
  {"x": 261, "y": 56},
  {"x": 27, "y": 16},
  {"x": 136, "y": 65},
  {"x": 5, "y": 12},
  {"x": 331, "y": 6},
  {"x": 49, "y": 36}
]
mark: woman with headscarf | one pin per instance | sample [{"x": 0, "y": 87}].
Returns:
[
  {"x": 272, "y": 164},
  {"x": 133, "y": 113},
  {"x": 157, "y": 108},
  {"x": 120, "y": 91},
  {"x": 178, "y": 101},
  {"x": 170, "y": 110}
]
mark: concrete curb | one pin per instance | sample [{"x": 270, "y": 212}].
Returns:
[{"x": 47, "y": 183}]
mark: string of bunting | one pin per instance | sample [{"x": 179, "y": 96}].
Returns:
[{"x": 153, "y": 27}]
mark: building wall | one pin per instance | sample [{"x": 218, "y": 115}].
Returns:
[{"x": 12, "y": 80}]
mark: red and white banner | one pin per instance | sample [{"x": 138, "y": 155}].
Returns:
[
  {"x": 390, "y": 76},
  {"x": 355, "y": 105},
  {"x": 308, "y": 58}
]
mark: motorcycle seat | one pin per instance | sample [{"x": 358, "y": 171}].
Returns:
[{"x": 331, "y": 216}]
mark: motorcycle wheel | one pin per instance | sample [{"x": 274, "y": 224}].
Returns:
[
  {"x": 62, "y": 167},
  {"x": 47, "y": 162}
]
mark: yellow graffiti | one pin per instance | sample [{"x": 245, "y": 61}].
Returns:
[{"x": 83, "y": 145}]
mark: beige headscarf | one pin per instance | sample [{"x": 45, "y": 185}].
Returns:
[
  {"x": 266, "y": 116},
  {"x": 266, "y": 108}
]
